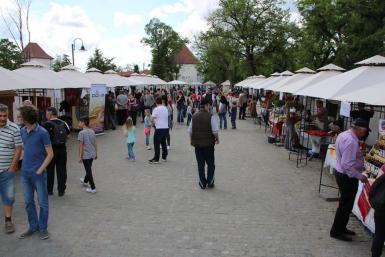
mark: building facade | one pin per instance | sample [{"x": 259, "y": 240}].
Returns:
[{"x": 188, "y": 66}]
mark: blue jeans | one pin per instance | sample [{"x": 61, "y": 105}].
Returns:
[
  {"x": 189, "y": 117},
  {"x": 180, "y": 114},
  {"x": 31, "y": 183},
  {"x": 7, "y": 187},
  {"x": 222, "y": 119},
  {"x": 130, "y": 147}
]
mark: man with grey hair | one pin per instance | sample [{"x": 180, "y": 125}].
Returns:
[{"x": 10, "y": 152}]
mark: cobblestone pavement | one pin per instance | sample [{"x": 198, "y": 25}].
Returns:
[{"x": 263, "y": 206}]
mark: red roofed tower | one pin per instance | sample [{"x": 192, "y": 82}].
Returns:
[
  {"x": 33, "y": 52},
  {"x": 188, "y": 62}
]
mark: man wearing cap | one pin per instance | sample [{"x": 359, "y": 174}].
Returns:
[
  {"x": 349, "y": 168},
  {"x": 203, "y": 131},
  {"x": 364, "y": 114}
]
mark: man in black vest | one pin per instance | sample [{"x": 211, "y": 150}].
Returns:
[
  {"x": 58, "y": 131},
  {"x": 204, "y": 135}
]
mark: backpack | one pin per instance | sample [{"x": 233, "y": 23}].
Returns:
[
  {"x": 222, "y": 108},
  {"x": 377, "y": 194},
  {"x": 59, "y": 135}
]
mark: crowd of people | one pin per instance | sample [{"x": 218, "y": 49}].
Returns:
[{"x": 42, "y": 147}]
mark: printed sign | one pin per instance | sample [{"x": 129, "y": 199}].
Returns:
[
  {"x": 345, "y": 109},
  {"x": 97, "y": 105},
  {"x": 381, "y": 128}
]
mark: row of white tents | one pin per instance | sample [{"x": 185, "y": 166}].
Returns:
[
  {"x": 33, "y": 75},
  {"x": 363, "y": 84}
]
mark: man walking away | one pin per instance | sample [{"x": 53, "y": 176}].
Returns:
[
  {"x": 349, "y": 168},
  {"x": 159, "y": 118},
  {"x": 38, "y": 154},
  {"x": 203, "y": 136},
  {"x": 58, "y": 131},
  {"x": 10, "y": 151},
  {"x": 242, "y": 105}
]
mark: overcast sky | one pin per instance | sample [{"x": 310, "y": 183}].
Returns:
[{"x": 115, "y": 26}]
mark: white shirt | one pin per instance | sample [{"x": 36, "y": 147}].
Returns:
[{"x": 160, "y": 113}]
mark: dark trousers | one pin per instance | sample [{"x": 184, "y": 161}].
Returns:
[
  {"x": 205, "y": 155},
  {"x": 88, "y": 167},
  {"x": 122, "y": 116},
  {"x": 242, "y": 112},
  {"x": 59, "y": 162},
  {"x": 109, "y": 121},
  {"x": 233, "y": 122},
  {"x": 348, "y": 190},
  {"x": 133, "y": 115},
  {"x": 379, "y": 235},
  {"x": 168, "y": 138},
  {"x": 160, "y": 138}
]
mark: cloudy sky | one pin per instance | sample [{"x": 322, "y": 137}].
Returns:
[{"x": 115, "y": 26}]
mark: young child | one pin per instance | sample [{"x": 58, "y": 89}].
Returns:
[
  {"x": 147, "y": 127},
  {"x": 189, "y": 113},
  {"x": 233, "y": 114},
  {"x": 131, "y": 135},
  {"x": 88, "y": 152}
]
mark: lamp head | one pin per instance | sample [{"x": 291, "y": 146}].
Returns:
[{"x": 82, "y": 48}]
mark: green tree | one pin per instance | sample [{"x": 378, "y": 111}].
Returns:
[
  {"x": 164, "y": 43},
  {"x": 342, "y": 32},
  {"x": 10, "y": 55},
  {"x": 98, "y": 61},
  {"x": 60, "y": 62},
  {"x": 219, "y": 59},
  {"x": 136, "y": 68},
  {"x": 257, "y": 29}
]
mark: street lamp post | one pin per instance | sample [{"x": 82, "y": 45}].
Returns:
[{"x": 73, "y": 49}]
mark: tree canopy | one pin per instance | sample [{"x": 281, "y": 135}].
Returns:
[
  {"x": 10, "y": 55},
  {"x": 60, "y": 62},
  {"x": 98, "y": 61},
  {"x": 247, "y": 37},
  {"x": 164, "y": 43}
]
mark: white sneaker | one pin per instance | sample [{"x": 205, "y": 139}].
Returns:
[
  {"x": 83, "y": 183},
  {"x": 168, "y": 147},
  {"x": 148, "y": 148},
  {"x": 92, "y": 191}
]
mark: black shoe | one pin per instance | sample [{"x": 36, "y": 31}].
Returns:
[
  {"x": 153, "y": 161},
  {"x": 202, "y": 186},
  {"x": 349, "y": 232},
  {"x": 61, "y": 194},
  {"x": 342, "y": 237},
  {"x": 211, "y": 185},
  {"x": 50, "y": 193}
]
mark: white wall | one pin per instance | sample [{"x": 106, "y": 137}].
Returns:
[
  {"x": 189, "y": 73},
  {"x": 45, "y": 62}
]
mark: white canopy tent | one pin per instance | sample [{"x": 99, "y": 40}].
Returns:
[
  {"x": 12, "y": 81},
  {"x": 177, "y": 83},
  {"x": 196, "y": 83},
  {"x": 78, "y": 79},
  {"x": 268, "y": 83},
  {"x": 371, "y": 72},
  {"x": 260, "y": 83},
  {"x": 257, "y": 79},
  {"x": 121, "y": 81},
  {"x": 226, "y": 83},
  {"x": 373, "y": 95},
  {"x": 299, "y": 75},
  {"x": 244, "y": 82},
  {"x": 96, "y": 77},
  {"x": 209, "y": 84},
  {"x": 148, "y": 80},
  {"x": 325, "y": 72},
  {"x": 40, "y": 77}
]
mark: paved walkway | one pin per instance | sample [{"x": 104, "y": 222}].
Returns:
[{"x": 263, "y": 206}]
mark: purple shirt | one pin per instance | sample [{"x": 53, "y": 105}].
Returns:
[{"x": 350, "y": 160}]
